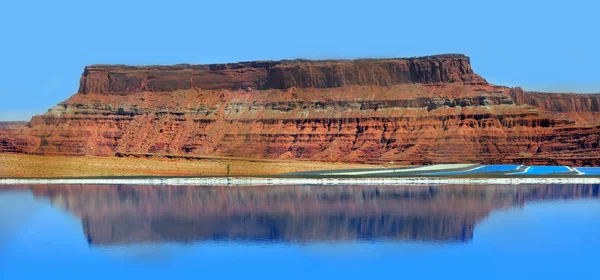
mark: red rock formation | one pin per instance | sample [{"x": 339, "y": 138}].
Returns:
[
  {"x": 418, "y": 111},
  {"x": 13, "y": 140},
  {"x": 278, "y": 74},
  {"x": 582, "y": 108},
  {"x": 7, "y": 125}
]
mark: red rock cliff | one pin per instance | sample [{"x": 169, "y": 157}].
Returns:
[
  {"x": 278, "y": 74},
  {"x": 417, "y": 110}
]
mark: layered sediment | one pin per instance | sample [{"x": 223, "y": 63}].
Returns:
[
  {"x": 14, "y": 138},
  {"x": 417, "y": 111},
  {"x": 278, "y": 74},
  {"x": 7, "y": 125}
]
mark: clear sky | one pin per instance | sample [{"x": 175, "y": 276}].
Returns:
[{"x": 539, "y": 45}]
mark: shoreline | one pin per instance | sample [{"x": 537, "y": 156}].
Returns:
[{"x": 253, "y": 181}]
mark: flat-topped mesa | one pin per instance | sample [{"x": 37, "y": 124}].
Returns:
[
  {"x": 437, "y": 111},
  {"x": 448, "y": 68}
]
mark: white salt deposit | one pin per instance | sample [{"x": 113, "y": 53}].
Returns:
[{"x": 242, "y": 181}]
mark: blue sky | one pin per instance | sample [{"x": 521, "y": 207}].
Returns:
[{"x": 539, "y": 45}]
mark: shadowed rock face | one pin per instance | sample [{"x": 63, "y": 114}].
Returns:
[
  {"x": 413, "y": 111},
  {"x": 132, "y": 214},
  {"x": 278, "y": 74}
]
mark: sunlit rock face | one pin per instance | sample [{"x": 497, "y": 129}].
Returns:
[
  {"x": 415, "y": 111},
  {"x": 138, "y": 214}
]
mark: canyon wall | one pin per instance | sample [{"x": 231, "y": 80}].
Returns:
[
  {"x": 14, "y": 138},
  {"x": 416, "y": 111},
  {"x": 558, "y": 102},
  {"x": 278, "y": 74}
]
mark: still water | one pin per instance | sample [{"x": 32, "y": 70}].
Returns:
[{"x": 299, "y": 232}]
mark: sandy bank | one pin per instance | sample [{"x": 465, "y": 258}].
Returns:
[{"x": 28, "y": 166}]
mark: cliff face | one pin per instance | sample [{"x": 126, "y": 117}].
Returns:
[
  {"x": 417, "y": 110},
  {"x": 14, "y": 138},
  {"x": 278, "y": 74},
  {"x": 580, "y": 108}
]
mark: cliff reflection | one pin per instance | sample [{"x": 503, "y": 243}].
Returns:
[{"x": 133, "y": 214}]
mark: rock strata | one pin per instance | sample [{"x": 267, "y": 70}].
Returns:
[
  {"x": 278, "y": 74},
  {"x": 422, "y": 110}
]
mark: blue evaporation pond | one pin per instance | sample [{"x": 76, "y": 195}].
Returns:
[
  {"x": 485, "y": 168},
  {"x": 547, "y": 170},
  {"x": 589, "y": 170},
  {"x": 498, "y": 168}
]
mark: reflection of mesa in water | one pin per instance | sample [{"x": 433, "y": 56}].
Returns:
[{"x": 134, "y": 214}]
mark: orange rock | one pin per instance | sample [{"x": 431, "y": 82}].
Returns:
[{"x": 416, "y": 111}]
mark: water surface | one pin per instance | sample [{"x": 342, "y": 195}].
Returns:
[{"x": 299, "y": 232}]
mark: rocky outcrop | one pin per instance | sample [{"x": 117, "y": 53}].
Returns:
[
  {"x": 581, "y": 108},
  {"x": 7, "y": 125},
  {"x": 132, "y": 214},
  {"x": 15, "y": 139},
  {"x": 278, "y": 74},
  {"x": 558, "y": 102},
  {"x": 415, "y": 111}
]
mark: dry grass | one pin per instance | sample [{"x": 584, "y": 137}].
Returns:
[{"x": 12, "y": 165}]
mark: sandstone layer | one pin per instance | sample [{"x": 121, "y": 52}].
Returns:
[
  {"x": 278, "y": 74},
  {"x": 421, "y": 110}
]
